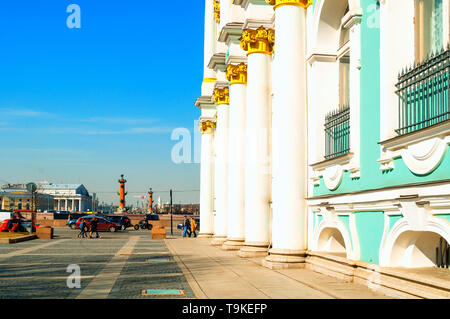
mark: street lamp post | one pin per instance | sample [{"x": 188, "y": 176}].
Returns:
[
  {"x": 31, "y": 187},
  {"x": 171, "y": 220}
]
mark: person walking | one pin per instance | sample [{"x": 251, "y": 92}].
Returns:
[
  {"x": 94, "y": 224},
  {"x": 83, "y": 229},
  {"x": 193, "y": 227},
  {"x": 187, "y": 227}
]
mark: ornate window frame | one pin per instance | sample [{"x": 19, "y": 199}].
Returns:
[
  {"x": 422, "y": 150},
  {"x": 320, "y": 58}
]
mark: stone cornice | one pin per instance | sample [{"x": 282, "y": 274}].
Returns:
[
  {"x": 220, "y": 84},
  {"x": 321, "y": 57},
  {"x": 236, "y": 59},
  {"x": 351, "y": 18},
  {"x": 217, "y": 62},
  {"x": 231, "y": 32},
  {"x": 340, "y": 160},
  {"x": 204, "y": 102},
  {"x": 438, "y": 130},
  {"x": 256, "y": 23},
  {"x": 244, "y": 3}
]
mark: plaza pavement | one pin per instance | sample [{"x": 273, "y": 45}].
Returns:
[
  {"x": 122, "y": 265},
  {"x": 221, "y": 274},
  {"x": 117, "y": 266}
]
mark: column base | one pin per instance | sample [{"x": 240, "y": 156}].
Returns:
[
  {"x": 285, "y": 258},
  {"x": 205, "y": 235},
  {"x": 232, "y": 244},
  {"x": 253, "y": 249},
  {"x": 218, "y": 241}
]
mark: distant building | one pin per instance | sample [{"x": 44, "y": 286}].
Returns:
[
  {"x": 68, "y": 197},
  {"x": 17, "y": 197},
  {"x": 180, "y": 208}
]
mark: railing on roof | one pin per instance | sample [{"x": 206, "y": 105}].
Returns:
[{"x": 423, "y": 92}]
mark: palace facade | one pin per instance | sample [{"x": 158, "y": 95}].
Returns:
[
  {"x": 325, "y": 131},
  {"x": 69, "y": 197}
]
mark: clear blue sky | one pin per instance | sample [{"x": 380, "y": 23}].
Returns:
[{"x": 86, "y": 105}]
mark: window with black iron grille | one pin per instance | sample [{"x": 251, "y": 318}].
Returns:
[
  {"x": 337, "y": 132},
  {"x": 423, "y": 92}
]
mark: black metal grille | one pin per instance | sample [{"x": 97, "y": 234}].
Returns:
[
  {"x": 423, "y": 92},
  {"x": 337, "y": 132},
  {"x": 443, "y": 254}
]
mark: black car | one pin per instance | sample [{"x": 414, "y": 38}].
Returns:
[
  {"x": 123, "y": 221},
  {"x": 152, "y": 217}
]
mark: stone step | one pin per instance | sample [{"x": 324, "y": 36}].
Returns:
[{"x": 429, "y": 283}]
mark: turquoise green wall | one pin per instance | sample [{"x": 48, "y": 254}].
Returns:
[
  {"x": 371, "y": 175},
  {"x": 346, "y": 220},
  {"x": 319, "y": 219},
  {"x": 369, "y": 226},
  {"x": 393, "y": 219},
  {"x": 444, "y": 216}
]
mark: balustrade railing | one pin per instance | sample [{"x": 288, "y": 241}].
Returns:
[
  {"x": 337, "y": 132},
  {"x": 443, "y": 254},
  {"x": 423, "y": 92}
]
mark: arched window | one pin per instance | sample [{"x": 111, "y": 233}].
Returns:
[
  {"x": 429, "y": 30},
  {"x": 333, "y": 103},
  {"x": 414, "y": 56},
  {"x": 344, "y": 65}
]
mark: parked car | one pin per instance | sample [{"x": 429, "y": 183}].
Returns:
[
  {"x": 103, "y": 223},
  {"x": 72, "y": 223},
  {"x": 14, "y": 225},
  {"x": 123, "y": 221}
]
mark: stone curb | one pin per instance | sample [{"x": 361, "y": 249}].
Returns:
[{"x": 17, "y": 239}]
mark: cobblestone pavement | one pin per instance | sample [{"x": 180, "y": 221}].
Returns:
[{"x": 38, "y": 268}]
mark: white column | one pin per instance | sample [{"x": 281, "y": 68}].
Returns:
[
  {"x": 210, "y": 41},
  {"x": 206, "y": 182},
  {"x": 73, "y": 205},
  {"x": 59, "y": 205},
  {"x": 257, "y": 155},
  {"x": 79, "y": 205},
  {"x": 225, "y": 7},
  {"x": 355, "y": 98},
  {"x": 221, "y": 166},
  {"x": 66, "y": 204},
  {"x": 236, "y": 162},
  {"x": 289, "y": 143}
]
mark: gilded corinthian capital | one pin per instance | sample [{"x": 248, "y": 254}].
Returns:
[
  {"x": 301, "y": 3},
  {"x": 260, "y": 40},
  {"x": 221, "y": 96},
  {"x": 207, "y": 127},
  {"x": 237, "y": 74},
  {"x": 217, "y": 10}
]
